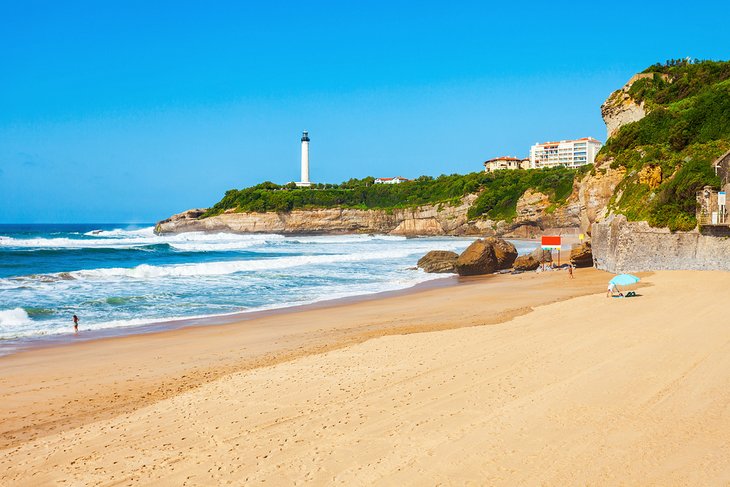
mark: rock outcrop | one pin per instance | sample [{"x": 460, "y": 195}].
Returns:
[
  {"x": 485, "y": 256},
  {"x": 620, "y": 108},
  {"x": 478, "y": 258},
  {"x": 651, "y": 176},
  {"x": 422, "y": 221},
  {"x": 533, "y": 260},
  {"x": 505, "y": 252},
  {"x": 595, "y": 192},
  {"x": 536, "y": 215},
  {"x": 526, "y": 263},
  {"x": 439, "y": 261},
  {"x": 427, "y": 220},
  {"x": 541, "y": 255},
  {"x": 582, "y": 255},
  {"x": 623, "y": 246}
]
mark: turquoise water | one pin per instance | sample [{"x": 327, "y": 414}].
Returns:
[{"x": 119, "y": 277}]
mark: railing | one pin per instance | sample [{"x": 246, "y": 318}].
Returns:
[{"x": 714, "y": 218}]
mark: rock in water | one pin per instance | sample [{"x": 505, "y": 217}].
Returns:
[
  {"x": 438, "y": 261},
  {"x": 505, "y": 252},
  {"x": 582, "y": 255},
  {"x": 526, "y": 263}
]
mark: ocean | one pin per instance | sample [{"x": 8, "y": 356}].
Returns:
[{"x": 121, "y": 277}]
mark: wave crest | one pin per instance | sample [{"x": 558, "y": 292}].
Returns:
[
  {"x": 14, "y": 317},
  {"x": 145, "y": 271}
]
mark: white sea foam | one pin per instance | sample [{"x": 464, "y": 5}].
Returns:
[
  {"x": 193, "y": 241},
  {"x": 304, "y": 269},
  {"x": 122, "y": 232},
  {"x": 119, "y": 239},
  {"x": 343, "y": 239},
  {"x": 14, "y": 317},
  {"x": 145, "y": 271},
  {"x": 20, "y": 326}
]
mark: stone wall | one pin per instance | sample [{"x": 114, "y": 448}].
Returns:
[{"x": 622, "y": 246}]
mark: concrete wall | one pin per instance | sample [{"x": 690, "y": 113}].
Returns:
[{"x": 622, "y": 246}]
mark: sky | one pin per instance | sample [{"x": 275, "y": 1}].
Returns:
[{"x": 132, "y": 111}]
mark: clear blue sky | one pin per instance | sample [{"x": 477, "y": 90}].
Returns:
[{"x": 131, "y": 111}]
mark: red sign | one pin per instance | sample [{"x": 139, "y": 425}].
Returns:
[{"x": 549, "y": 241}]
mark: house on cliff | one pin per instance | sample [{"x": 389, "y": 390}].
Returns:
[
  {"x": 395, "y": 180},
  {"x": 506, "y": 162}
]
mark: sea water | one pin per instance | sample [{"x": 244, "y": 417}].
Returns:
[{"x": 121, "y": 277}]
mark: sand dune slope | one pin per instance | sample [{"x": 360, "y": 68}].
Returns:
[{"x": 589, "y": 391}]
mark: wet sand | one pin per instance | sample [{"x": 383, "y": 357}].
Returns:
[{"x": 566, "y": 387}]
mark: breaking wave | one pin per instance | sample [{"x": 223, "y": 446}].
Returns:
[{"x": 231, "y": 267}]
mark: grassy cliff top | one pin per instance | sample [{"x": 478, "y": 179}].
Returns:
[
  {"x": 687, "y": 127},
  {"x": 498, "y": 193}
]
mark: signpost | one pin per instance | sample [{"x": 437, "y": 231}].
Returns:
[
  {"x": 550, "y": 243},
  {"x": 721, "y": 206}
]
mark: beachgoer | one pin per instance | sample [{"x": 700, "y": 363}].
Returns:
[
  {"x": 76, "y": 324},
  {"x": 613, "y": 290},
  {"x": 570, "y": 271}
]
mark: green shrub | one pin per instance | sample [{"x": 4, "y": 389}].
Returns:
[
  {"x": 498, "y": 193},
  {"x": 687, "y": 128}
]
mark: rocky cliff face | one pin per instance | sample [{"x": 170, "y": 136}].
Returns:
[
  {"x": 421, "y": 221},
  {"x": 620, "y": 108},
  {"x": 534, "y": 216},
  {"x": 595, "y": 192},
  {"x": 537, "y": 215}
]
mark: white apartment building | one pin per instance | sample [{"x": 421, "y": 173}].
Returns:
[
  {"x": 506, "y": 162},
  {"x": 568, "y": 153}
]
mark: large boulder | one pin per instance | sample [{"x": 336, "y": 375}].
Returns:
[
  {"x": 486, "y": 256},
  {"x": 504, "y": 251},
  {"x": 438, "y": 261},
  {"x": 582, "y": 255},
  {"x": 526, "y": 263},
  {"x": 478, "y": 258},
  {"x": 541, "y": 255}
]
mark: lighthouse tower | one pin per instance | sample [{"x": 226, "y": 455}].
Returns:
[{"x": 305, "y": 161}]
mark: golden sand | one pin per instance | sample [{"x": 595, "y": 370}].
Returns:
[{"x": 579, "y": 391}]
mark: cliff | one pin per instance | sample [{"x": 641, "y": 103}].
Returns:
[
  {"x": 425, "y": 220},
  {"x": 620, "y": 108},
  {"x": 661, "y": 158}
]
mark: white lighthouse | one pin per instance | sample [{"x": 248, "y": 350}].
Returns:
[{"x": 305, "y": 161}]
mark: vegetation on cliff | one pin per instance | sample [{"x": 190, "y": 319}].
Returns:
[
  {"x": 687, "y": 127},
  {"x": 498, "y": 193}
]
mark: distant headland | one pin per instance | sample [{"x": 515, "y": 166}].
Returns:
[{"x": 668, "y": 144}]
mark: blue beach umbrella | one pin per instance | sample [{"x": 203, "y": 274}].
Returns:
[{"x": 624, "y": 280}]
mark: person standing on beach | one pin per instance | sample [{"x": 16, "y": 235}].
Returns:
[
  {"x": 76, "y": 324},
  {"x": 570, "y": 271}
]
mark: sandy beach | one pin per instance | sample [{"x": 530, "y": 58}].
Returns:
[{"x": 505, "y": 380}]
